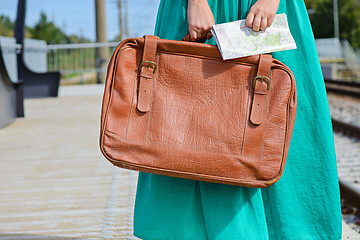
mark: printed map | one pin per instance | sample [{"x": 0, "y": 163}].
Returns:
[{"x": 235, "y": 39}]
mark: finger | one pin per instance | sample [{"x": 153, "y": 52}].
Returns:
[
  {"x": 209, "y": 35},
  {"x": 256, "y": 23},
  {"x": 249, "y": 19},
  {"x": 269, "y": 21},
  {"x": 187, "y": 37},
  {"x": 202, "y": 35},
  {"x": 193, "y": 36},
  {"x": 263, "y": 23}
]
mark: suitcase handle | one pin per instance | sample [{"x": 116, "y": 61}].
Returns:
[{"x": 187, "y": 38}]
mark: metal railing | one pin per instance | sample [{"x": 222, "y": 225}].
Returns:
[
  {"x": 9, "y": 47},
  {"x": 76, "y": 59},
  {"x": 339, "y": 59},
  {"x": 350, "y": 70},
  {"x": 352, "y": 58}
]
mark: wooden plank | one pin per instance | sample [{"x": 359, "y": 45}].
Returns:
[{"x": 54, "y": 182}]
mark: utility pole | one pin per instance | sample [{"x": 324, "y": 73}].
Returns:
[
  {"x": 126, "y": 22},
  {"x": 336, "y": 19},
  {"x": 102, "y": 54},
  {"x": 123, "y": 19}
]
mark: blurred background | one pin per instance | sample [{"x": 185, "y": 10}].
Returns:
[
  {"x": 59, "y": 25},
  {"x": 54, "y": 182}
]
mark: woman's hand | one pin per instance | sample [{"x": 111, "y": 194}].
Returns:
[
  {"x": 262, "y": 14},
  {"x": 200, "y": 19}
]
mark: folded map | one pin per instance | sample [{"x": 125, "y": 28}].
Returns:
[{"x": 236, "y": 39}]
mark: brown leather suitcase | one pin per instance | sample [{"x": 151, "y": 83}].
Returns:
[{"x": 176, "y": 108}]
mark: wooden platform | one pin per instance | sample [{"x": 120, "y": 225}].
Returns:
[{"x": 54, "y": 182}]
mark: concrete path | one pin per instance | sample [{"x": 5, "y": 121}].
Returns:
[{"x": 55, "y": 183}]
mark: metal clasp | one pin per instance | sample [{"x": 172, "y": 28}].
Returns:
[
  {"x": 263, "y": 78},
  {"x": 149, "y": 63}
]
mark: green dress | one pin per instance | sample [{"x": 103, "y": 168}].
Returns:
[{"x": 303, "y": 204}]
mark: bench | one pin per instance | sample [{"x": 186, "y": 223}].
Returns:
[{"x": 11, "y": 95}]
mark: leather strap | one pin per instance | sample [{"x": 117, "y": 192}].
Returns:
[
  {"x": 147, "y": 70},
  {"x": 253, "y": 140},
  {"x": 261, "y": 85}
]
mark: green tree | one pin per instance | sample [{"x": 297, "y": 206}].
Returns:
[
  {"x": 349, "y": 20},
  {"x": 322, "y": 20},
  {"x": 313, "y": 3},
  {"x": 77, "y": 39},
  {"x": 6, "y": 26},
  {"x": 46, "y": 30}
]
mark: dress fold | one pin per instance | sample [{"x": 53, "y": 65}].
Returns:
[{"x": 303, "y": 204}]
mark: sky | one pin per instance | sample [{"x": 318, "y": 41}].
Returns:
[{"x": 78, "y": 16}]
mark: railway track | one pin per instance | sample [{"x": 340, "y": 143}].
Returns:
[
  {"x": 346, "y": 128},
  {"x": 350, "y": 194},
  {"x": 343, "y": 87}
]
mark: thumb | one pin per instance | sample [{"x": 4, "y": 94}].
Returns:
[{"x": 193, "y": 35}]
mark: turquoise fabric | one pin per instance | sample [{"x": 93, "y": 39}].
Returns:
[{"x": 303, "y": 204}]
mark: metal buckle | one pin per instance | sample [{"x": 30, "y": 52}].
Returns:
[
  {"x": 262, "y": 79},
  {"x": 150, "y": 63}
]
